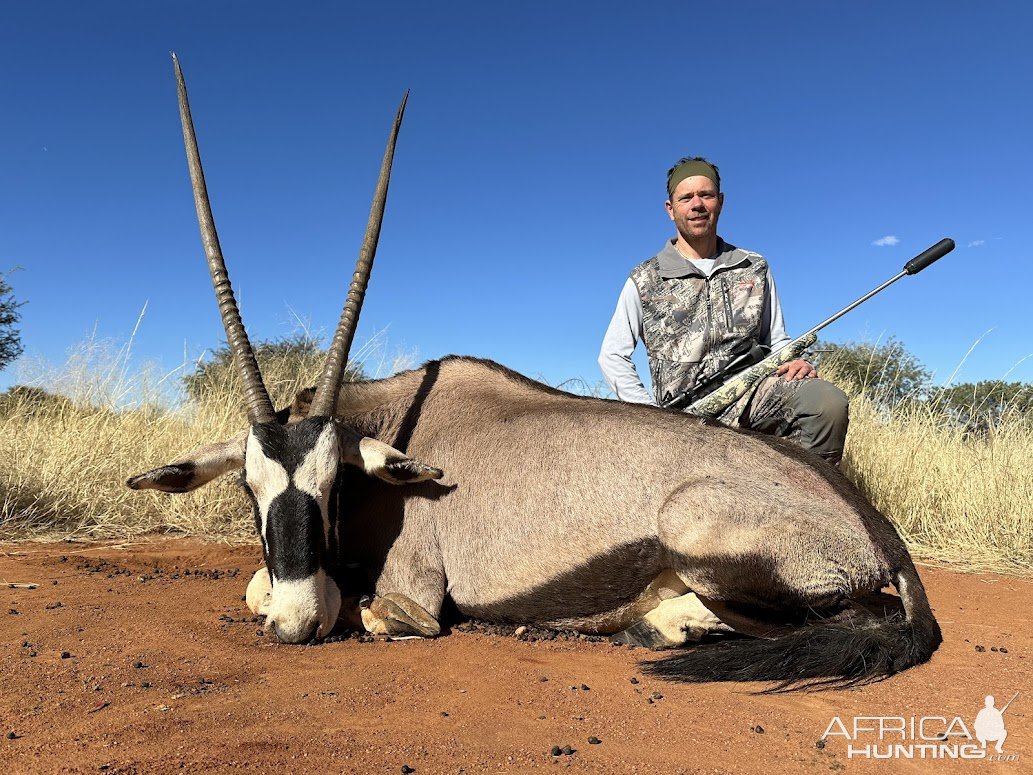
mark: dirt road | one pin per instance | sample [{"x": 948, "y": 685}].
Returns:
[{"x": 144, "y": 659}]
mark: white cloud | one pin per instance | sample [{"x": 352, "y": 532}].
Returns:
[
  {"x": 976, "y": 243},
  {"x": 887, "y": 241}
]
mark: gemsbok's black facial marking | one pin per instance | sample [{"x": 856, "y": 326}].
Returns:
[
  {"x": 295, "y": 542},
  {"x": 290, "y": 473},
  {"x": 256, "y": 514},
  {"x": 338, "y": 493},
  {"x": 287, "y": 487},
  {"x": 289, "y": 444}
]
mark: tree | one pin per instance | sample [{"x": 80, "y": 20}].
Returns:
[
  {"x": 10, "y": 337},
  {"x": 32, "y": 400},
  {"x": 886, "y": 372},
  {"x": 287, "y": 365},
  {"x": 981, "y": 405}
]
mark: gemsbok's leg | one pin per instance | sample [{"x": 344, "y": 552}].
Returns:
[
  {"x": 410, "y": 587},
  {"x": 397, "y": 616},
  {"x": 673, "y": 623},
  {"x": 688, "y": 618}
]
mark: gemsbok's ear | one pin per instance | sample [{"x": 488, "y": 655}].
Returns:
[
  {"x": 194, "y": 469},
  {"x": 385, "y": 462}
]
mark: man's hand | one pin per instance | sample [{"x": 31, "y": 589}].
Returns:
[{"x": 798, "y": 369}]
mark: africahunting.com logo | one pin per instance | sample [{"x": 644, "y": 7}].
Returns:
[{"x": 926, "y": 737}]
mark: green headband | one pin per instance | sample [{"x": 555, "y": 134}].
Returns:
[{"x": 687, "y": 170}]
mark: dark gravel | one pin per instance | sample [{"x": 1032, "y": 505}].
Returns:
[{"x": 526, "y": 632}]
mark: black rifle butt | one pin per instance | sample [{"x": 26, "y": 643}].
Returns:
[{"x": 929, "y": 255}]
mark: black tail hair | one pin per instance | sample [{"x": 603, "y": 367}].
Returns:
[{"x": 822, "y": 655}]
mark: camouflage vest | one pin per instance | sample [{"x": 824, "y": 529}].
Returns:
[{"x": 690, "y": 323}]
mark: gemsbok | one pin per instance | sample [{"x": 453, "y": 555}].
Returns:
[{"x": 525, "y": 504}]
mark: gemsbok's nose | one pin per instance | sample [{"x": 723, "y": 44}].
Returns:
[{"x": 299, "y": 634}]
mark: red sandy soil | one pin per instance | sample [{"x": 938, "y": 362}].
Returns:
[{"x": 143, "y": 658}]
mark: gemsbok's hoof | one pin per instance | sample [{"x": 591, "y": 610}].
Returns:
[
  {"x": 642, "y": 633},
  {"x": 259, "y": 592},
  {"x": 396, "y": 615}
]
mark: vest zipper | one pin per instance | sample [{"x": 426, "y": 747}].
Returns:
[
  {"x": 711, "y": 340},
  {"x": 726, "y": 297}
]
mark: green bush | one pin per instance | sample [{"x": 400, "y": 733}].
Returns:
[
  {"x": 288, "y": 365},
  {"x": 887, "y": 373}
]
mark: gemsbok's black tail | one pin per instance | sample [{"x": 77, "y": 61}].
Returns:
[{"x": 821, "y": 655}]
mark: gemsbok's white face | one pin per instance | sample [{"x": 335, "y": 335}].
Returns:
[
  {"x": 290, "y": 468},
  {"x": 291, "y": 475},
  {"x": 289, "y": 472}
]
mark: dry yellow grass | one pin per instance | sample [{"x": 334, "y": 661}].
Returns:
[
  {"x": 966, "y": 501},
  {"x": 65, "y": 456},
  {"x": 67, "y": 459},
  {"x": 67, "y": 465},
  {"x": 960, "y": 499}
]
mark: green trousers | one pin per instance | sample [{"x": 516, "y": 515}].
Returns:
[{"x": 810, "y": 412}]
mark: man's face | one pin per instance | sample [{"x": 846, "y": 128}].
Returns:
[{"x": 695, "y": 207}]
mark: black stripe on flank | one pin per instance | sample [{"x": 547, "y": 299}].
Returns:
[
  {"x": 749, "y": 583},
  {"x": 604, "y": 583}
]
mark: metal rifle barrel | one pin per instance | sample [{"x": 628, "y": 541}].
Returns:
[{"x": 914, "y": 266}]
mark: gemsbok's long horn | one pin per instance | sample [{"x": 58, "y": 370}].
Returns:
[
  {"x": 337, "y": 357},
  {"x": 259, "y": 406}
]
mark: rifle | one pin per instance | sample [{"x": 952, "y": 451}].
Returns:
[
  {"x": 725, "y": 390},
  {"x": 742, "y": 356}
]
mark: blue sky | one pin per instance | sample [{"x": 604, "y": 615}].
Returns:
[{"x": 529, "y": 177}]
